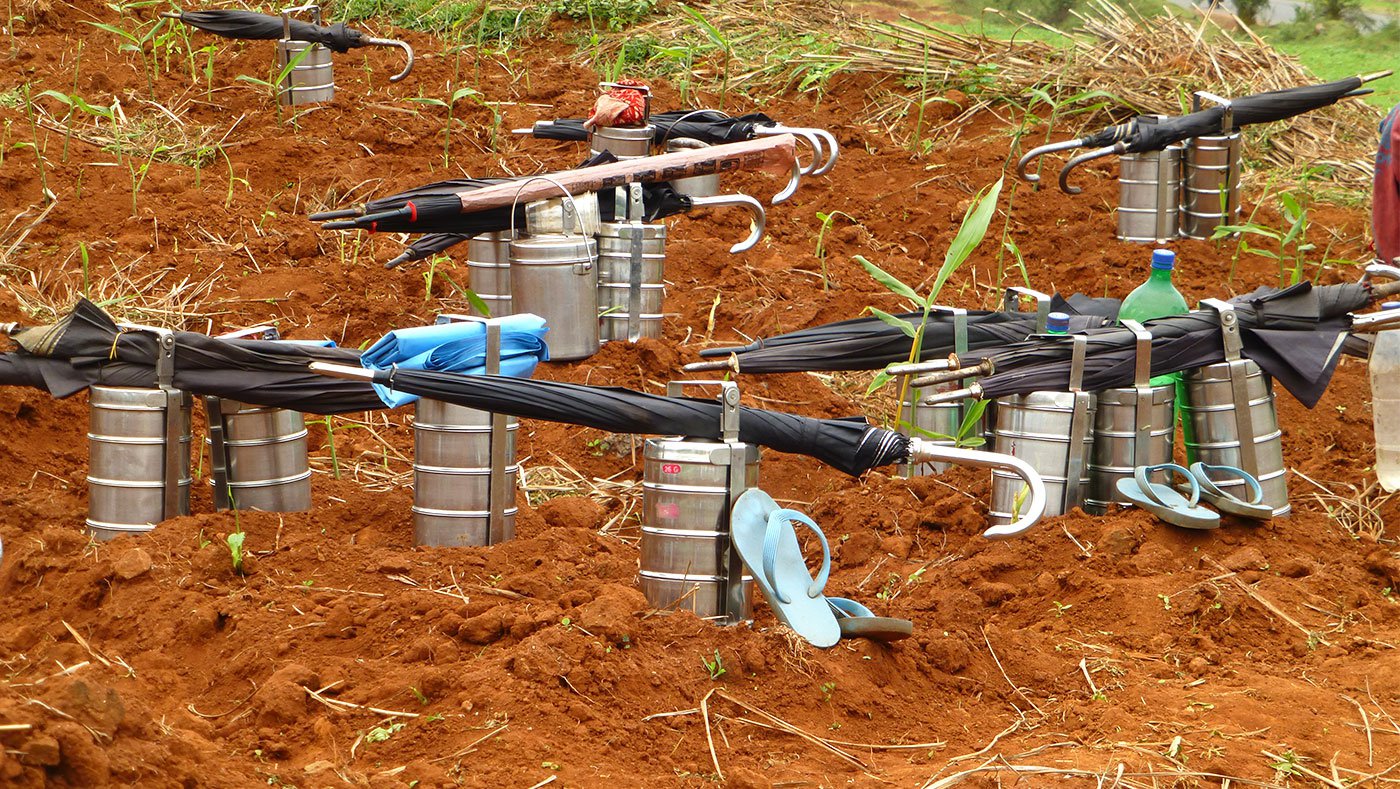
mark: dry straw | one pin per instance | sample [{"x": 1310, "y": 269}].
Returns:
[{"x": 1151, "y": 63}]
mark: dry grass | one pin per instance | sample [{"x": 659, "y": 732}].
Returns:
[{"x": 157, "y": 298}]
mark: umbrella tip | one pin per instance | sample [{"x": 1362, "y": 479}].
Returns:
[
  {"x": 402, "y": 258},
  {"x": 1376, "y": 75},
  {"x": 170, "y": 14}
]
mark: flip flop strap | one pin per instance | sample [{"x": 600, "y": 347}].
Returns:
[
  {"x": 1143, "y": 475},
  {"x": 1256, "y": 491},
  {"x": 777, "y": 519}
]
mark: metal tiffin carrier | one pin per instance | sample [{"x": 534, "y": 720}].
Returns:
[
  {"x": 689, "y": 486},
  {"x": 464, "y": 464},
  {"x": 258, "y": 455},
  {"x": 1232, "y": 417},
  {"x": 1134, "y": 426},
  {"x": 138, "y": 449}
]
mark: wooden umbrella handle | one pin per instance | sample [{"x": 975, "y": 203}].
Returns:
[{"x": 774, "y": 154}]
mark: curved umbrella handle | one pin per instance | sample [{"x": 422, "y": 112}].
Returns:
[
  {"x": 1025, "y": 161},
  {"x": 791, "y": 188},
  {"x": 1098, "y": 153},
  {"x": 1380, "y": 270},
  {"x": 393, "y": 42},
  {"x": 758, "y": 216},
  {"x": 804, "y": 134},
  {"x": 828, "y": 141},
  {"x": 921, "y": 451}
]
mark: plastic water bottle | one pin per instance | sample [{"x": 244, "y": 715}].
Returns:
[
  {"x": 1156, "y": 298},
  {"x": 1385, "y": 404}
]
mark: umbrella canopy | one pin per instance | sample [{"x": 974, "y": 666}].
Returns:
[
  {"x": 20, "y": 369},
  {"x": 869, "y": 343},
  {"x": 1294, "y": 334},
  {"x": 1153, "y": 132},
  {"x": 659, "y": 201},
  {"x": 260, "y": 372},
  {"x": 232, "y": 23}
]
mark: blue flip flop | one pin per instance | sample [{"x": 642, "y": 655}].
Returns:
[
  {"x": 1163, "y": 500},
  {"x": 763, "y": 534},
  {"x": 857, "y": 621},
  {"x": 1224, "y": 500}
]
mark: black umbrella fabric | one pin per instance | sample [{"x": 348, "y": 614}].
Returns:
[
  {"x": 660, "y": 200},
  {"x": 852, "y": 445},
  {"x": 232, "y": 23},
  {"x": 1294, "y": 334},
  {"x": 712, "y": 127},
  {"x": 21, "y": 369},
  {"x": 259, "y": 372},
  {"x": 870, "y": 344},
  {"x": 709, "y": 126},
  {"x": 1153, "y": 133}
]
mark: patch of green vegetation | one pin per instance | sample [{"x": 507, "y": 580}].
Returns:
[
  {"x": 612, "y": 15},
  {"x": 479, "y": 21},
  {"x": 1333, "y": 50}
]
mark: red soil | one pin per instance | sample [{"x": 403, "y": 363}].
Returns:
[{"x": 150, "y": 662}]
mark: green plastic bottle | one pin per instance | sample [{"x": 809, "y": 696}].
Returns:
[{"x": 1156, "y": 298}]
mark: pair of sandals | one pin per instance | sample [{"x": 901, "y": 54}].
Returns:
[
  {"x": 1169, "y": 503},
  {"x": 764, "y": 535}
]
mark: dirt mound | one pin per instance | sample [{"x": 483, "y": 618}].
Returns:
[{"x": 341, "y": 654}]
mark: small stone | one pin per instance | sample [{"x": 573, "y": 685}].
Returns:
[
  {"x": 1121, "y": 543},
  {"x": 133, "y": 564},
  {"x": 1249, "y": 558},
  {"x": 41, "y": 751},
  {"x": 318, "y": 767}
]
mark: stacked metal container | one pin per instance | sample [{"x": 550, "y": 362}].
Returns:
[
  {"x": 688, "y": 489},
  {"x": 554, "y": 274},
  {"x": 258, "y": 455},
  {"x": 1233, "y": 419},
  {"x": 488, "y": 269},
  {"x": 310, "y": 81},
  {"x": 1051, "y": 431},
  {"x": 631, "y": 262},
  {"x": 138, "y": 450},
  {"x": 1134, "y": 426},
  {"x": 1149, "y": 195},
  {"x": 1210, "y": 194},
  {"x": 936, "y": 423},
  {"x": 464, "y": 469}
]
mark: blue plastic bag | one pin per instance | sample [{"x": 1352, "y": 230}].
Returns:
[{"x": 457, "y": 348}]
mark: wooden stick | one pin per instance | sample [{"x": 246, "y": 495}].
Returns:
[{"x": 775, "y": 154}]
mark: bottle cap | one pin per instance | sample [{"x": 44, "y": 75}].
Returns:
[
  {"x": 1057, "y": 323},
  {"x": 1390, "y": 305},
  {"x": 1163, "y": 259}
]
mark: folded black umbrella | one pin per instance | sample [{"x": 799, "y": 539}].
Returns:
[
  {"x": 708, "y": 126},
  {"x": 852, "y": 445},
  {"x": 1154, "y": 133},
  {"x": 98, "y": 351},
  {"x": 712, "y": 127},
  {"x": 232, "y": 23},
  {"x": 869, "y": 343},
  {"x": 1295, "y": 335},
  {"x": 660, "y": 200}
]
